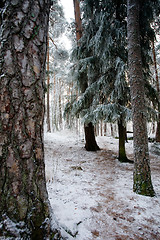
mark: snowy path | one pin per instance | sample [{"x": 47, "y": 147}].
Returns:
[{"x": 91, "y": 193}]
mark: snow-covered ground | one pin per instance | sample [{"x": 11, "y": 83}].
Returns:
[{"x": 91, "y": 192}]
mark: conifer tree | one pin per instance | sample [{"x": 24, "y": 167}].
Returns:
[
  {"x": 91, "y": 144},
  {"x": 158, "y": 91},
  {"x": 102, "y": 61},
  {"x": 102, "y": 57},
  {"x": 156, "y": 26}
]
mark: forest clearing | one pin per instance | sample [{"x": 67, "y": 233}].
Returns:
[{"x": 91, "y": 192}]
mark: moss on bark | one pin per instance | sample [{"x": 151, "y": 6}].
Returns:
[{"x": 143, "y": 187}]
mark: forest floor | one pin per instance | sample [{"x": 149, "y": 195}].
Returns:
[{"x": 91, "y": 192}]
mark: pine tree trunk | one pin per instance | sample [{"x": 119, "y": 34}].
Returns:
[
  {"x": 122, "y": 138},
  {"x": 78, "y": 20},
  {"x": 24, "y": 205},
  {"x": 105, "y": 129},
  {"x": 142, "y": 174},
  {"x": 112, "y": 133},
  {"x": 91, "y": 144},
  {"x": 67, "y": 115},
  {"x": 101, "y": 125},
  {"x": 60, "y": 105},
  {"x": 55, "y": 104}
]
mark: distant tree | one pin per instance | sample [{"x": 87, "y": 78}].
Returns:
[
  {"x": 24, "y": 205},
  {"x": 142, "y": 174},
  {"x": 48, "y": 85},
  {"x": 58, "y": 65},
  {"x": 156, "y": 26},
  {"x": 158, "y": 91}
]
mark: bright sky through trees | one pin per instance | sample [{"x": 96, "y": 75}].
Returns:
[
  {"x": 69, "y": 15},
  {"x": 68, "y": 9}
]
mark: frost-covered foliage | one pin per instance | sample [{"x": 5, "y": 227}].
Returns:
[
  {"x": 149, "y": 16},
  {"x": 57, "y": 20},
  {"x": 100, "y": 60}
]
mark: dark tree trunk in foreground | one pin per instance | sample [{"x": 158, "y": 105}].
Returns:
[
  {"x": 142, "y": 174},
  {"x": 122, "y": 138},
  {"x": 91, "y": 144},
  {"x": 24, "y": 205}
]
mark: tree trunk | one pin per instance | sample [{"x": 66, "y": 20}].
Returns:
[
  {"x": 158, "y": 129},
  {"x": 158, "y": 90},
  {"x": 91, "y": 144},
  {"x": 24, "y": 205},
  {"x": 105, "y": 129},
  {"x": 112, "y": 132},
  {"x": 55, "y": 123},
  {"x": 101, "y": 126},
  {"x": 78, "y": 20},
  {"x": 122, "y": 138},
  {"x": 89, "y": 129},
  {"x": 60, "y": 105},
  {"x": 48, "y": 83},
  {"x": 142, "y": 174},
  {"x": 68, "y": 98}
]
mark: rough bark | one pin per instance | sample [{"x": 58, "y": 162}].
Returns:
[
  {"x": 24, "y": 205},
  {"x": 142, "y": 174},
  {"x": 91, "y": 144},
  {"x": 122, "y": 157}
]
